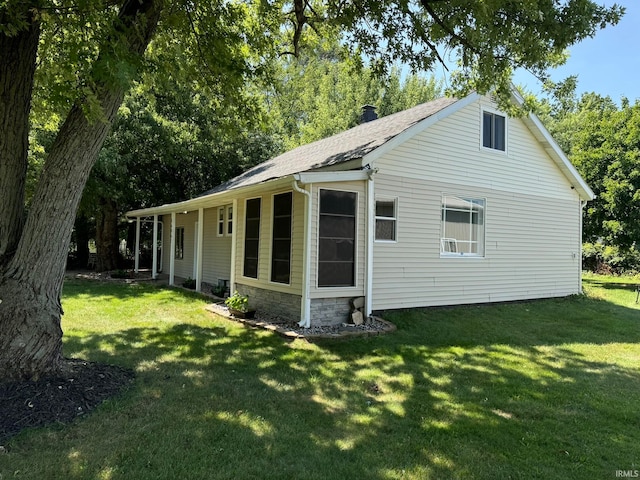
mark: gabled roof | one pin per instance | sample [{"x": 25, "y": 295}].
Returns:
[
  {"x": 349, "y": 145},
  {"x": 354, "y": 148}
]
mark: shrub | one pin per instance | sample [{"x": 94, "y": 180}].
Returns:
[
  {"x": 238, "y": 302},
  {"x": 610, "y": 259}
]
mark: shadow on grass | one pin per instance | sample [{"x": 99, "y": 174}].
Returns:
[{"x": 509, "y": 391}]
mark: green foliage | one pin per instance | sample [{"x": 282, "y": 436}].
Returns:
[
  {"x": 189, "y": 283},
  {"x": 610, "y": 259},
  {"x": 321, "y": 93},
  {"x": 238, "y": 302},
  {"x": 219, "y": 290},
  {"x": 602, "y": 140}
]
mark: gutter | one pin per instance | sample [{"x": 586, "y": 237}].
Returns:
[{"x": 305, "y": 307}]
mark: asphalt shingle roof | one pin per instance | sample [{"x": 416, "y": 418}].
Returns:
[{"x": 342, "y": 147}]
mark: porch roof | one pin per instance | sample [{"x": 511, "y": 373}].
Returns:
[{"x": 342, "y": 151}]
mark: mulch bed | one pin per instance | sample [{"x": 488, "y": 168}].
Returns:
[{"x": 59, "y": 399}]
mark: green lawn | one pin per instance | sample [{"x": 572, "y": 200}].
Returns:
[{"x": 547, "y": 389}]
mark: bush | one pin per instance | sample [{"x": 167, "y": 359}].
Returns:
[
  {"x": 189, "y": 283},
  {"x": 610, "y": 259},
  {"x": 238, "y": 302}
]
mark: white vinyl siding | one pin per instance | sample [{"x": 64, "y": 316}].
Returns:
[
  {"x": 532, "y": 238},
  {"x": 216, "y": 251},
  {"x": 184, "y": 265}
]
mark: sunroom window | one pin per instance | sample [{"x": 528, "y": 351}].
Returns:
[
  {"x": 281, "y": 241},
  {"x": 252, "y": 237},
  {"x": 337, "y": 235},
  {"x": 462, "y": 231}
]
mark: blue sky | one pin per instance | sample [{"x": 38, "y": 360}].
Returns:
[{"x": 608, "y": 64}]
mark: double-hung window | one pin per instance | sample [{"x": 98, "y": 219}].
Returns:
[
  {"x": 220, "y": 221},
  {"x": 252, "y": 237},
  {"x": 386, "y": 220},
  {"x": 462, "y": 229},
  {"x": 337, "y": 238},
  {"x": 229, "y": 220},
  {"x": 179, "y": 253},
  {"x": 494, "y": 131}
]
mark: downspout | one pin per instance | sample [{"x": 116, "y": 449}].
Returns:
[
  {"x": 305, "y": 307},
  {"x": 200, "y": 234},
  {"x": 583, "y": 203},
  {"x": 371, "y": 221},
  {"x": 234, "y": 239}
]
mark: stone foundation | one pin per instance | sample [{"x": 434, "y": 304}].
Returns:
[
  {"x": 327, "y": 312},
  {"x": 285, "y": 305}
]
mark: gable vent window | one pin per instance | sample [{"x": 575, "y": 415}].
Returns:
[
  {"x": 337, "y": 235},
  {"x": 252, "y": 237},
  {"x": 494, "y": 131}
]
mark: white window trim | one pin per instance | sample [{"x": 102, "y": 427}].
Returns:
[
  {"x": 355, "y": 242},
  {"x": 394, "y": 218},
  {"x": 244, "y": 236},
  {"x": 177, "y": 228},
  {"x": 220, "y": 222},
  {"x": 273, "y": 196},
  {"x": 228, "y": 221},
  {"x": 506, "y": 130},
  {"x": 444, "y": 239}
]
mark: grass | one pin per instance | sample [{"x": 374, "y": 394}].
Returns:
[{"x": 537, "y": 390}]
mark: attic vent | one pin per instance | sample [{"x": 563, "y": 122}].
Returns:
[{"x": 368, "y": 114}]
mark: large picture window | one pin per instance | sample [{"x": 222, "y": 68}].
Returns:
[
  {"x": 337, "y": 235},
  {"x": 494, "y": 131},
  {"x": 281, "y": 238},
  {"x": 462, "y": 226},
  {"x": 252, "y": 237},
  {"x": 179, "y": 253}
]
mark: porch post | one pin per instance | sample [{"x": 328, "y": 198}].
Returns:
[
  {"x": 137, "y": 247},
  {"x": 172, "y": 252},
  {"x": 200, "y": 234},
  {"x": 234, "y": 238},
  {"x": 154, "y": 245}
]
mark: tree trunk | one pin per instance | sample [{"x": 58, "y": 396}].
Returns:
[
  {"x": 107, "y": 238},
  {"x": 31, "y": 284},
  {"x": 17, "y": 68}
]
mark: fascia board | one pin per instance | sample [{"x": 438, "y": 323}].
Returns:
[
  {"x": 558, "y": 156},
  {"x": 334, "y": 176},
  {"x": 211, "y": 200}
]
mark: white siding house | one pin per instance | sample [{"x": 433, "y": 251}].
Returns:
[{"x": 449, "y": 202}]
